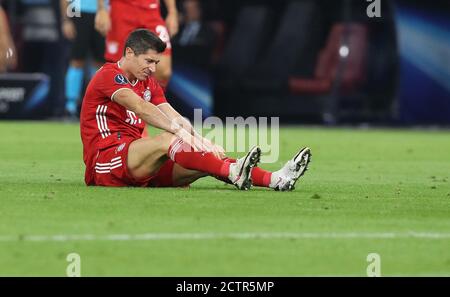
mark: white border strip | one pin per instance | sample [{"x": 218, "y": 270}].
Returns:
[{"x": 216, "y": 236}]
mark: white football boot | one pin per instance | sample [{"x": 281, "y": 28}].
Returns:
[
  {"x": 285, "y": 178},
  {"x": 240, "y": 172}
]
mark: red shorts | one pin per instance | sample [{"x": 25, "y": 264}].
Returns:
[
  {"x": 111, "y": 169},
  {"x": 126, "y": 18}
]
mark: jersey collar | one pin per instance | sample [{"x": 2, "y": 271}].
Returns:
[{"x": 135, "y": 82}]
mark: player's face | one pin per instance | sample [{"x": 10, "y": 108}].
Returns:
[{"x": 144, "y": 65}]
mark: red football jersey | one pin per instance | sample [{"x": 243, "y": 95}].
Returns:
[
  {"x": 102, "y": 121},
  {"x": 145, "y": 4}
]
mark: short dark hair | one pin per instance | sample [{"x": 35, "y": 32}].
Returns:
[{"x": 141, "y": 40}]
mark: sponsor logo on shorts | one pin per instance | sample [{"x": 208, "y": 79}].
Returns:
[
  {"x": 120, "y": 79},
  {"x": 120, "y": 148}
]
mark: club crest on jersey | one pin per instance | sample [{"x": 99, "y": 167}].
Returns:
[
  {"x": 120, "y": 79},
  {"x": 147, "y": 95}
]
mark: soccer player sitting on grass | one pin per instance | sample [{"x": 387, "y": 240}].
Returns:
[{"x": 122, "y": 97}]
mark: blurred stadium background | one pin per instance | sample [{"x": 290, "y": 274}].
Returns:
[{"x": 302, "y": 60}]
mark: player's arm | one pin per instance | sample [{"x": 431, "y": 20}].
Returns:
[
  {"x": 68, "y": 28},
  {"x": 145, "y": 110},
  {"x": 172, "y": 17},
  {"x": 102, "y": 18},
  {"x": 174, "y": 116},
  {"x": 152, "y": 115},
  {"x": 7, "y": 48}
]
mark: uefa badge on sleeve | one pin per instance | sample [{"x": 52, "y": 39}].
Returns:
[{"x": 120, "y": 79}]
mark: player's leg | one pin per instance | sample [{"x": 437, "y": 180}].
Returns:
[
  {"x": 147, "y": 155},
  {"x": 75, "y": 73},
  {"x": 173, "y": 175},
  {"x": 73, "y": 84},
  {"x": 182, "y": 176},
  {"x": 283, "y": 179},
  {"x": 259, "y": 176}
]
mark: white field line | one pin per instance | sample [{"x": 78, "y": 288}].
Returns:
[{"x": 216, "y": 236}]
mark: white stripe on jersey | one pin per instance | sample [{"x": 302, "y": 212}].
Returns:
[
  {"x": 99, "y": 125},
  {"x": 133, "y": 119},
  {"x": 108, "y": 132},
  {"x": 130, "y": 118},
  {"x": 102, "y": 124}
]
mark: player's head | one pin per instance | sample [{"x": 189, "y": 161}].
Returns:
[{"x": 142, "y": 52}]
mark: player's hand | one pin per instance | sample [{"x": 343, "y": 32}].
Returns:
[
  {"x": 102, "y": 21},
  {"x": 3, "y": 50},
  {"x": 68, "y": 29},
  {"x": 172, "y": 24},
  {"x": 8, "y": 57},
  {"x": 220, "y": 151},
  {"x": 217, "y": 150},
  {"x": 191, "y": 140},
  {"x": 11, "y": 56}
]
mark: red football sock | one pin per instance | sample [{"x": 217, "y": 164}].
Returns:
[
  {"x": 182, "y": 154},
  {"x": 260, "y": 177}
]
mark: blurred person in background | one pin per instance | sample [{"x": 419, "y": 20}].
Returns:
[
  {"x": 42, "y": 47},
  {"x": 127, "y": 15},
  {"x": 8, "y": 58},
  {"x": 85, "y": 41},
  {"x": 195, "y": 42}
]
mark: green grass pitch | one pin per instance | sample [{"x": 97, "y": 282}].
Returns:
[{"x": 367, "y": 191}]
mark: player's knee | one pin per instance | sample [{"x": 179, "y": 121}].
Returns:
[{"x": 164, "y": 140}]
